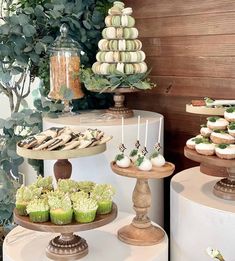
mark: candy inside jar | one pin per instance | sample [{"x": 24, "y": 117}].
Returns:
[{"x": 64, "y": 67}]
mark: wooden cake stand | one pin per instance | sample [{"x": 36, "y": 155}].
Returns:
[
  {"x": 67, "y": 246},
  {"x": 214, "y": 166},
  {"x": 62, "y": 166},
  {"x": 205, "y": 110},
  {"x": 141, "y": 232},
  {"x": 119, "y": 110}
]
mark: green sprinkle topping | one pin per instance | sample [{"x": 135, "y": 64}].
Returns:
[
  {"x": 230, "y": 110},
  {"x": 154, "y": 155},
  {"x": 139, "y": 161},
  {"x": 223, "y": 146},
  {"x": 213, "y": 119},
  {"x": 133, "y": 153},
  {"x": 119, "y": 157},
  {"x": 232, "y": 126}
]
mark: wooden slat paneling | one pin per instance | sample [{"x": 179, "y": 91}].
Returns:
[
  {"x": 205, "y": 24},
  {"x": 154, "y": 8},
  {"x": 221, "y": 67},
  {"x": 194, "y": 87},
  {"x": 189, "y": 46}
]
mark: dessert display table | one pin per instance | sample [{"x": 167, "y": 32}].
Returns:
[
  {"x": 199, "y": 219},
  {"x": 97, "y": 168},
  {"x": 26, "y": 245}
]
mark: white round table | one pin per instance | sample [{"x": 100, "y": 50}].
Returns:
[
  {"x": 26, "y": 245},
  {"x": 199, "y": 219},
  {"x": 97, "y": 168}
]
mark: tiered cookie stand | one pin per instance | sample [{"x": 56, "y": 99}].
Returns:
[
  {"x": 67, "y": 246},
  {"x": 199, "y": 219},
  {"x": 212, "y": 165},
  {"x": 141, "y": 231},
  {"x": 97, "y": 167}
]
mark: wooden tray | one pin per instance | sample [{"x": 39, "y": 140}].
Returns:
[
  {"x": 60, "y": 154},
  {"x": 99, "y": 221},
  {"x": 134, "y": 172},
  {"x": 205, "y": 110}
]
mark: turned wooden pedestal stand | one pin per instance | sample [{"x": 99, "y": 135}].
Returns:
[
  {"x": 119, "y": 110},
  {"x": 67, "y": 246},
  {"x": 141, "y": 232},
  {"x": 214, "y": 166}
]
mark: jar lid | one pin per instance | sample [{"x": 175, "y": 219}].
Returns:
[{"x": 64, "y": 41}]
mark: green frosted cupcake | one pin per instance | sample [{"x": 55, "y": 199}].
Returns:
[
  {"x": 38, "y": 210},
  {"x": 67, "y": 185},
  {"x": 103, "y": 194},
  {"x": 76, "y": 196},
  {"x": 61, "y": 212},
  {"x": 86, "y": 186},
  {"x": 24, "y": 195},
  {"x": 44, "y": 183},
  {"x": 85, "y": 210}
]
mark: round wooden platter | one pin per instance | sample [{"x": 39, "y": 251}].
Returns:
[
  {"x": 134, "y": 172},
  {"x": 60, "y": 154},
  {"x": 99, "y": 221},
  {"x": 204, "y": 110},
  {"x": 209, "y": 160}
]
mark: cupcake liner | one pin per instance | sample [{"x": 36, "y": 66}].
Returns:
[
  {"x": 104, "y": 207},
  {"x": 85, "y": 217},
  {"x": 39, "y": 216},
  {"x": 21, "y": 209},
  {"x": 61, "y": 217}
]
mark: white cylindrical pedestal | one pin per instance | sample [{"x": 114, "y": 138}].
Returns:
[
  {"x": 26, "y": 245},
  {"x": 199, "y": 219},
  {"x": 97, "y": 168}
]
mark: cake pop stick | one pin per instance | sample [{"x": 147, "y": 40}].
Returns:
[
  {"x": 137, "y": 144},
  {"x": 156, "y": 158},
  {"x": 145, "y": 151}
]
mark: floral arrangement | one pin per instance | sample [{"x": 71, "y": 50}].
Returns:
[{"x": 215, "y": 253}]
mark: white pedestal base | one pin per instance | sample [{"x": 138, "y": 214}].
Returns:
[
  {"x": 97, "y": 168},
  {"x": 26, "y": 245},
  {"x": 199, "y": 219}
]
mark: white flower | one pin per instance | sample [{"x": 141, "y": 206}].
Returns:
[{"x": 214, "y": 253}]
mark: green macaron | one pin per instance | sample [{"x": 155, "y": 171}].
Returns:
[
  {"x": 116, "y": 20},
  {"x": 129, "y": 69},
  {"x": 131, "y": 21}
]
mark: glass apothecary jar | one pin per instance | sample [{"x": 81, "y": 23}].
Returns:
[{"x": 64, "y": 66}]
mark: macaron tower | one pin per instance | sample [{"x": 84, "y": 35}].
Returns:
[{"x": 119, "y": 50}]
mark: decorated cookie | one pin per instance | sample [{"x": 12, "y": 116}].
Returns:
[
  {"x": 157, "y": 159},
  {"x": 217, "y": 123},
  {"x": 221, "y": 137},
  {"x": 225, "y": 151},
  {"x": 205, "y": 148},
  {"x": 229, "y": 114}
]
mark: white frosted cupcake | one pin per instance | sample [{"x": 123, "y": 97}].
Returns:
[
  {"x": 205, "y": 131},
  {"x": 134, "y": 155},
  {"x": 205, "y": 148},
  {"x": 225, "y": 151},
  {"x": 231, "y": 129},
  {"x": 191, "y": 143},
  {"x": 221, "y": 137},
  {"x": 217, "y": 123},
  {"x": 229, "y": 114}
]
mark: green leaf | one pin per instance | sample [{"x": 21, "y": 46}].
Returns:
[
  {"x": 29, "y": 30},
  {"x": 133, "y": 153},
  {"x": 5, "y": 29},
  {"x": 2, "y": 123},
  {"x": 47, "y": 39},
  {"x": 28, "y": 10},
  {"x": 23, "y": 19},
  {"x": 39, "y": 48},
  {"x": 9, "y": 124},
  {"x": 28, "y": 49},
  {"x": 86, "y": 24}
]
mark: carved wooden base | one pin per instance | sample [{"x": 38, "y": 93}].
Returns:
[
  {"x": 67, "y": 246},
  {"x": 141, "y": 236},
  {"x": 225, "y": 189},
  {"x": 119, "y": 110}
]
